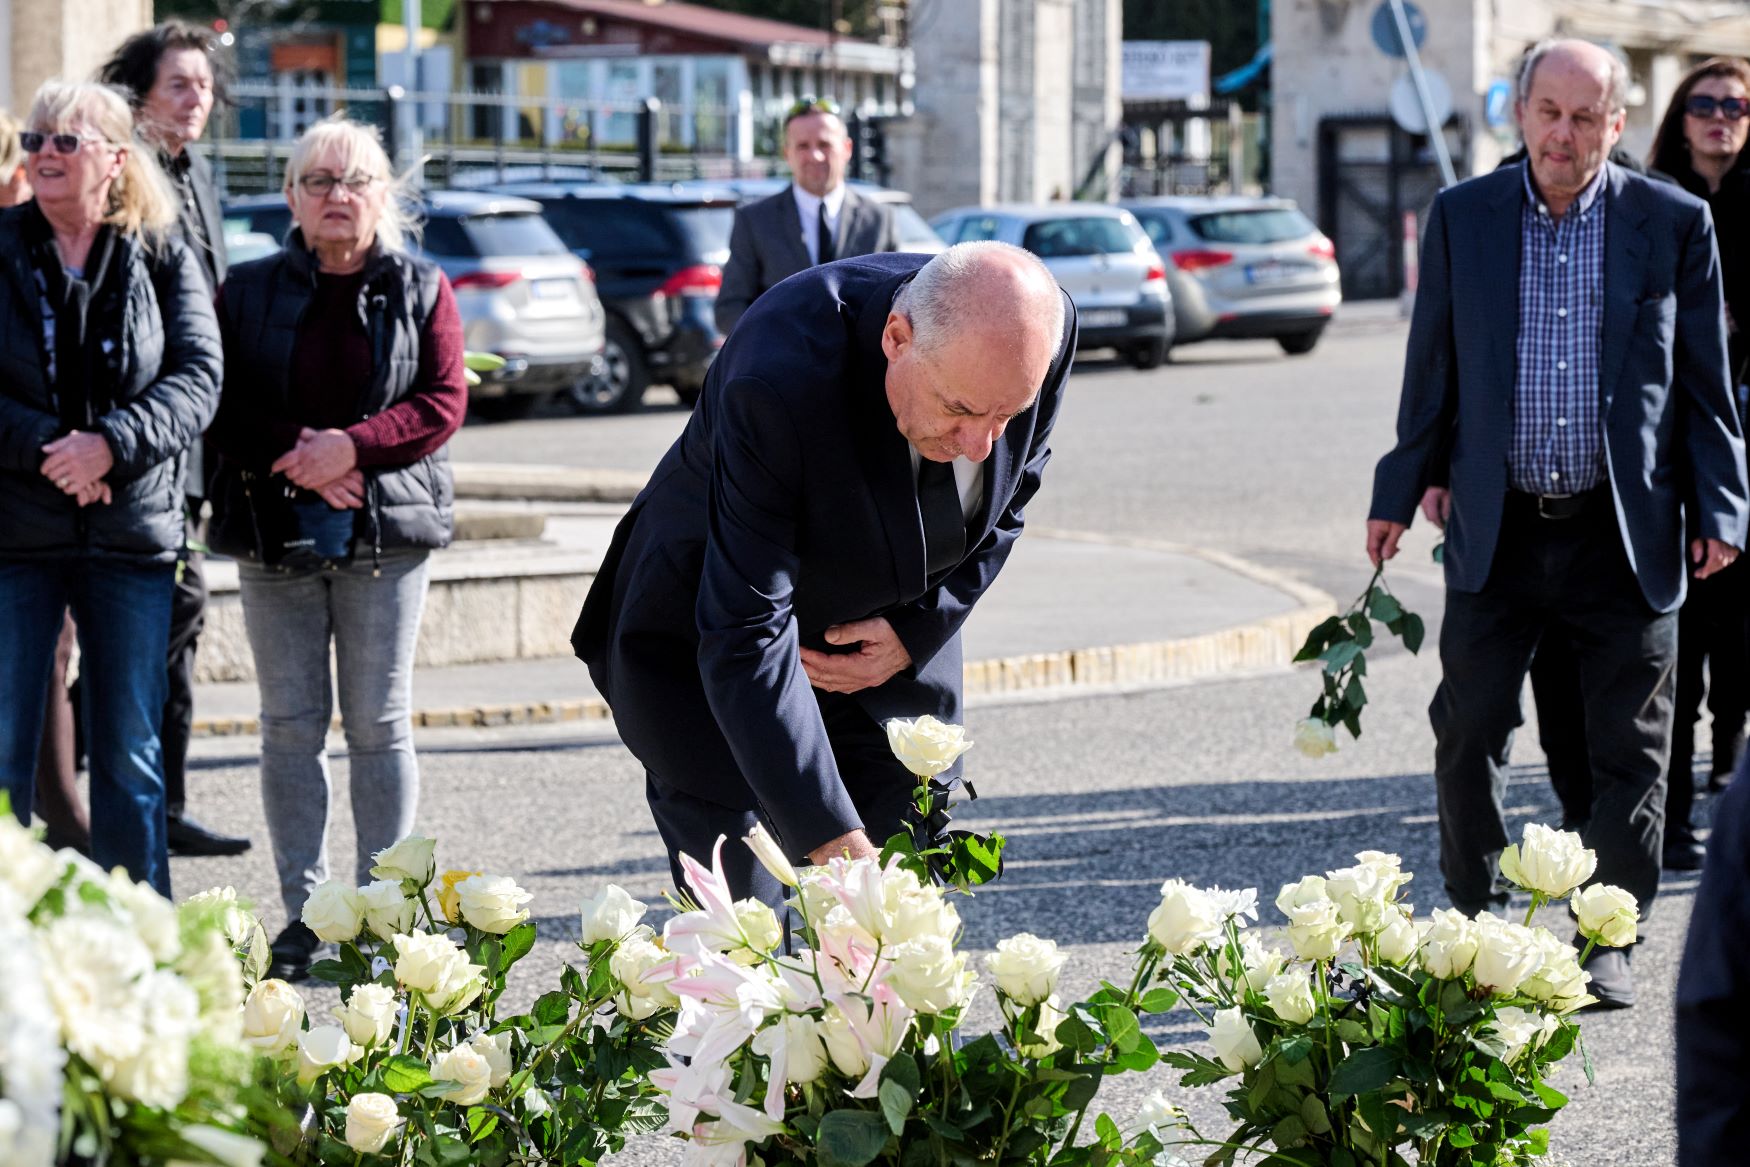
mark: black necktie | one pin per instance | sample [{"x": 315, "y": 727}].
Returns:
[
  {"x": 944, "y": 522},
  {"x": 825, "y": 248}
]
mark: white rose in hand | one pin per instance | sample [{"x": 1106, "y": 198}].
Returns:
[
  {"x": 1607, "y": 914},
  {"x": 1548, "y": 861},
  {"x": 1236, "y": 1046},
  {"x": 371, "y": 1121},
  {"x": 492, "y": 903},
  {"x": 336, "y": 912},
  {"x": 1025, "y": 968},
  {"x": 273, "y": 1016},
  {"x": 926, "y": 746},
  {"x": 610, "y": 914},
  {"x": 1520, "y": 1029},
  {"x": 1314, "y": 738},
  {"x": 412, "y": 858}
]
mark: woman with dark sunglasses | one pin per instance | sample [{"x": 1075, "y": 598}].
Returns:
[{"x": 1700, "y": 145}]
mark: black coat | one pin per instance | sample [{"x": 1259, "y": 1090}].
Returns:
[
  {"x": 166, "y": 394},
  {"x": 200, "y": 222},
  {"x": 263, "y": 302},
  {"x": 788, "y": 505}
]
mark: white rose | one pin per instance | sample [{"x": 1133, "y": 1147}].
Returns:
[
  {"x": 387, "y": 909},
  {"x": 223, "y": 1146},
  {"x": 1256, "y": 966},
  {"x": 1025, "y": 968},
  {"x": 610, "y": 914},
  {"x": 1316, "y": 930},
  {"x": 1449, "y": 944},
  {"x": 1507, "y": 954},
  {"x": 495, "y": 1048},
  {"x": 633, "y": 958},
  {"x": 1520, "y": 1029},
  {"x": 1051, "y": 1015},
  {"x": 1290, "y": 997},
  {"x": 273, "y": 1016},
  {"x": 236, "y": 922},
  {"x": 468, "y": 1069},
  {"x": 1185, "y": 920},
  {"x": 369, "y": 1014},
  {"x": 414, "y": 857},
  {"x": 926, "y": 746},
  {"x": 770, "y": 855},
  {"x": 27, "y": 866},
  {"x": 322, "y": 1049},
  {"x": 1156, "y": 1112},
  {"x": 914, "y": 911},
  {"x": 1236, "y": 1046},
  {"x": 1309, "y": 889},
  {"x": 1607, "y": 914},
  {"x": 1389, "y": 866},
  {"x": 336, "y": 912},
  {"x": 371, "y": 1121},
  {"x": 492, "y": 903},
  {"x": 1548, "y": 861},
  {"x": 437, "y": 970},
  {"x": 759, "y": 925},
  {"x": 1361, "y": 893},
  {"x": 1397, "y": 940},
  {"x": 1559, "y": 981},
  {"x": 1314, "y": 738},
  {"x": 928, "y": 974}
]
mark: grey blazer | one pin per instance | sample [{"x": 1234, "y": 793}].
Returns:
[
  {"x": 766, "y": 246},
  {"x": 1673, "y": 448}
]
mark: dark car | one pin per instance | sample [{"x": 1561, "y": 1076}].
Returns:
[
  {"x": 521, "y": 294},
  {"x": 658, "y": 254}
]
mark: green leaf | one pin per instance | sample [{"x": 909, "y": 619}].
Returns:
[
  {"x": 1075, "y": 1034},
  {"x": 1354, "y": 696},
  {"x": 1319, "y": 638},
  {"x": 1362, "y": 627},
  {"x": 1383, "y": 606},
  {"x": 1123, "y": 1032},
  {"x": 1314, "y": 1115},
  {"x": 518, "y": 941},
  {"x": 903, "y": 1071},
  {"x": 1158, "y": 1001},
  {"x": 1111, "y": 1138},
  {"x": 552, "y": 1009},
  {"x": 1363, "y": 1071},
  {"x": 1413, "y": 632},
  {"x": 895, "y": 1105},
  {"x": 850, "y": 1138},
  {"x": 1290, "y": 1132},
  {"x": 404, "y": 1074},
  {"x": 1339, "y": 655},
  {"x": 976, "y": 859}
]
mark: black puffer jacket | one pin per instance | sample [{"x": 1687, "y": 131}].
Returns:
[
  {"x": 263, "y": 302},
  {"x": 167, "y": 391}
]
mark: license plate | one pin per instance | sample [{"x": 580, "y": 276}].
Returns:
[
  {"x": 1104, "y": 318},
  {"x": 1274, "y": 272},
  {"x": 550, "y": 289}
]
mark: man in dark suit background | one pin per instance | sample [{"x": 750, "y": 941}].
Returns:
[
  {"x": 799, "y": 567},
  {"x": 816, "y": 219},
  {"x": 1567, "y": 354}
]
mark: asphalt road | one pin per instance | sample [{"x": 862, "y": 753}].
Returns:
[{"x": 1231, "y": 447}]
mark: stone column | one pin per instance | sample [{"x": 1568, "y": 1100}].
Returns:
[{"x": 69, "y": 39}]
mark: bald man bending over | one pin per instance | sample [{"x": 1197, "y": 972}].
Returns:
[{"x": 797, "y": 571}]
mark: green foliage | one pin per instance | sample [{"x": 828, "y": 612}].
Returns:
[{"x": 1340, "y": 645}]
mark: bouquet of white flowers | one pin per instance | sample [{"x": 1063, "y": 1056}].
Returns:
[{"x": 119, "y": 1038}]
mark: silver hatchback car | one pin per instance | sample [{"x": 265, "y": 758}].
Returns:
[
  {"x": 1099, "y": 255},
  {"x": 1244, "y": 268}
]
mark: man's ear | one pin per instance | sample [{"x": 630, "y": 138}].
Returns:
[{"x": 895, "y": 336}]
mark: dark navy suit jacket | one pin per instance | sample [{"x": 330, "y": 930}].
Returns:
[
  {"x": 788, "y": 505},
  {"x": 1674, "y": 451}
]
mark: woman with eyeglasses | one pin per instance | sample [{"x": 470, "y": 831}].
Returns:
[
  {"x": 1700, "y": 145},
  {"x": 110, "y": 367},
  {"x": 345, "y": 384}
]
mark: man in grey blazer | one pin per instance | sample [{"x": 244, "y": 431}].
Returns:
[
  {"x": 1567, "y": 355},
  {"x": 783, "y": 234}
]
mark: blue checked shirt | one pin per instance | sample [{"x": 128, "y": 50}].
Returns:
[{"x": 1558, "y": 430}]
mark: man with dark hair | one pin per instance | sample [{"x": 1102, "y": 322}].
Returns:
[
  {"x": 167, "y": 72},
  {"x": 814, "y": 220}
]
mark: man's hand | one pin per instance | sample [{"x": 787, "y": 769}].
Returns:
[
  {"x": 96, "y": 492},
  {"x": 319, "y": 458},
  {"x": 1382, "y": 539},
  {"x": 77, "y": 462},
  {"x": 856, "y": 843},
  {"x": 346, "y": 492},
  {"x": 879, "y": 656},
  {"x": 1437, "y": 505},
  {"x": 1711, "y": 556}
]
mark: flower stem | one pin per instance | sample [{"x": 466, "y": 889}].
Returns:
[{"x": 1009, "y": 1121}]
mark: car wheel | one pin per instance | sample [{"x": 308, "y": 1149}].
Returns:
[
  {"x": 689, "y": 394},
  {"x": 507, "y": 408},
  {"x": 624, "y": 377},
  {"x": 1147, "y": 355},
  {"x": 1298, "y": 344}
]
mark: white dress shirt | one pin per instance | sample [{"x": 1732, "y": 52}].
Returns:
[
  {"x": 808, "y": 207},
  {"x": 968, "y": 480}
]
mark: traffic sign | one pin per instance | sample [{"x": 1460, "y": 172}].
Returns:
[{"x": 1384, "y": 28}]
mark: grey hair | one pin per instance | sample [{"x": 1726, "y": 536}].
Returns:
[
  {"x": 1617, "y": 94},
  {"x": 360, "y": 148},
  {"x": 936, "y": 303}
]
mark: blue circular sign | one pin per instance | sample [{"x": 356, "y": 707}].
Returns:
[{"x": 1385, "y": 28}]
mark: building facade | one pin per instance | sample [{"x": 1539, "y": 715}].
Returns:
[{"x": 40, "y": 39}]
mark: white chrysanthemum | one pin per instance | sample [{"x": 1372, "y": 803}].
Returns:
[
  {"x": 151, "y": 915},
  {"x": 95, "y": 969},
  {"x": 31, "y": 1057},
  {"x": 26, "y": 866}
]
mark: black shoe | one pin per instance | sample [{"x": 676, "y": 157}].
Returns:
[
  {"x": 1683, "y": 855},
  {"x": 1612, "y": 983},
  {"x": 293, "y": 950},
  {"x": 188, "y": 837}
]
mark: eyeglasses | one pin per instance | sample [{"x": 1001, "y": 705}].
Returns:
[
  {"x": 33, "y": 141},
  {"x": 807, "y": 105},
  {"x": 318, "y": 185},
  {"x": 1700, "y": 105}
]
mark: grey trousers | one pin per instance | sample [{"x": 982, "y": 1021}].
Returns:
[{"x": 372, "y": 621}]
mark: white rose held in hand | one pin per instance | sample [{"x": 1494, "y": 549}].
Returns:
[
  {"x": 336, "y": 912},
  {"x": 1548, "y": 861},
  {"x": 371, "y": 1121},
  {"x": 492, "y": 903},
  {"x": 412, "y": 858},
  {"x": 273, "y": 1016},
  {"x": 926, "y": 746},
  {"x": 387, "y": 908},
  {"x": 468, "y": 1069},
  {"x": 1314, "y": 738},
  {"x": 610, "y": 914},
  {"x": 1236, "y": 1046},
  {"x": 1025, "y": 968},
  {"x": 1185, "y": 920},
  {"x": 369, "y": 1014},
  {"x": 1607, "y": 914}
]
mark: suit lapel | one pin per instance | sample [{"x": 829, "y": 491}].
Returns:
[
  {"x": 847, "y": 240},
  {"x": 882, "y": 449},
  {"x": 790, "y": 215},
  {"x": 1625, "y": 249},
  {"x": 1500, "y": 248}
]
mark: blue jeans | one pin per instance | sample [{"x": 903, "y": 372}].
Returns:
[
  {"x": 372, "y": 620},
  {"x": 122, "y": 610}
]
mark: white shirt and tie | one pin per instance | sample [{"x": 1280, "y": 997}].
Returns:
[
  {"x": 968, "y": 480},
  {"x": 808, "y": 210}
]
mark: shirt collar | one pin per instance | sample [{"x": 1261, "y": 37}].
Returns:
[
  {"x": 1587, "y": 198},
  {"x": 809, "y": 204}
]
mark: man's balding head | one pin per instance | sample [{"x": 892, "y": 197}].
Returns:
[
  {"x": 968, "y": 344},
  {"x": 1572, "y": 96}
]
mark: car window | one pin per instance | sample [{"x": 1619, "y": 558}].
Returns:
[
  {"x": 268, "y": 220},
  {"x": 444, "y": 236},
  {"x": 1057, "y": 238},
  {"x": 1265, "y": 225},
  {"x": 1158, "y": 229},
  {"x": 707, "y": 227},
  {"x": 911, "y": 229},
  {"x": 514, "y": 233},
  {"x": 979, "y": 227},
  {"x": 610, "y": 228}
]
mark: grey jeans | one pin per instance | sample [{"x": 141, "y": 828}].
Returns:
[{"x": 373, "y": 623}]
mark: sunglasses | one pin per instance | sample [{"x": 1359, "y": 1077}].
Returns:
[
  {"x": 1702, "y": 106},
  {"x": 318, "y": 185},
  {"x": 807, "y": 105},
  {"x": 33, "y": 141}
]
